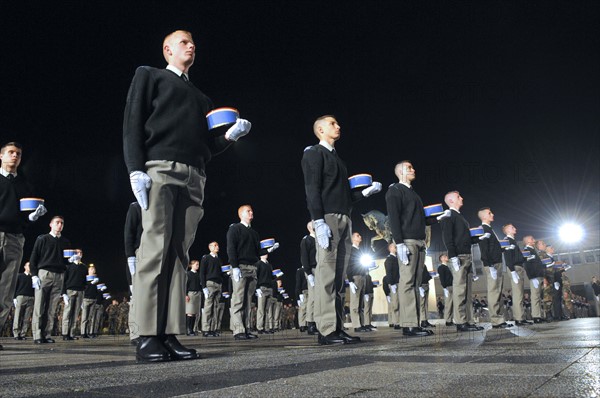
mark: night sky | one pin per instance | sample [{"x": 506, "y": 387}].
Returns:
[{"x": 499, "y": 100}]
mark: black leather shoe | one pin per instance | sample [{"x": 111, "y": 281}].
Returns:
[
  {"x": 177, "y": 350},
  {"x": 465, "y": 327},
  {"x": 39, "y": 341},
  {"x": 521, "y": 323},
  {"x": 134, "y": 341},
  {"x": 372, "y": 327},
  {"x": 426, "y": 324},
  {"x": 206, "y": 334},
  {"x": 503, "y": 325},
  {"x": 362, "y": 329},
  {"x": 67, "y": 338},
  {"x": 49, "y": 340},
  {"x": 240, "y": 336},
  {"x": 19, "y": 338},
  {"x": 397, "y": 327},
  {"x": 449, "y": 323},
  {"x": 331, "y": 338},
  {"x": 263, "y": 332},
  {"x": 251, "y": 336},
  {"x": 85, "y": 336},
  {"x": 151, "y": 349},
  {"x": 302, "y": 329},
  {"x": 538, "y": 320},
  {"x": 347, "y": 338},
  {"x": 416, "y": 331},
  {"x": 1, "y": 348},
  {"x": 312, "y": 329}
]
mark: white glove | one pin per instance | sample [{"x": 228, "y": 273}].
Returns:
[
  {"x": 446, "y": 293},
  {"x": 74, "y": 258},
  {"x": 394, "y": 288},
  {"x": 299, "y": 302},
  {"x": 485, "y": 236},
  {"x": 373, "y": 189},
  {"x": 95, "y": 281},
  {"x": 556, "y": 285},
  {"x": 131, "y": 290},
  {"x": 550, "y": 265},
  {"x": 510, "y": 247},
  {"x": 535, "y": 283},
  {"x": 445, "y": 214},
  {"x": 421, "y": 291},
  {"x": 301, "y": 297},
  {"x": 353, "y": 287},
  {"x": 236, "y": 274},
  {"x": 206, "y": 292},
  {"x": 311, "y": 280},
  {"x": 475, "y": 278},
  {"x": 389, "y": 299},
  {"x": 455, "y": 263},
  {"x": 131, "y": 263},
  {"x": 15, "y": 302},
  {"x": 259, "y": 293},
  {"x": 366, "y": 298},
  {"x": 402, "y": 253},
  {"x": 238, "y": 130},
  {"x": 529, "y": 258},
  {"x": 39, "y": 211},
  {"x": 515, "y": 277},
  {"x": 65, "y": 298},
  {"x": 103, "y": 288},
  {"x": 140, "y": 184},
  {"x": 323, "y": 233},
  {"x": 35, "y": 282},
  {"x": 493, "y": 273},
  {"x": 273, "y": 248}
]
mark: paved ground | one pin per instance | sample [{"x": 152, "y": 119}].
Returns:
[{"x": 560, "y": 359}]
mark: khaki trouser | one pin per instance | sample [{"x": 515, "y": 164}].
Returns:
[
  {"x": 11, "y": 253},
  {"x": 329, "y": 274},
  {"x": 410, "y": 280},
  {"x": 368, "y": 309},
  {"x": 87, "y": 317},
  {"x": 536, "y": 298},
  {"x": 277, "y": 315},
  {"x": 518, "y": 291},
  {"x": 241, "y": 297},
  {"x": 192, "y": 307},
  {"x": 23, "y": 311},
  {"x": 98, "y": 318},
  {"x": 357, "y": 302},
  {"x": 264, "y": 311},
  {"x": 423, "y": 303},
  {"x": 71, "y": 312},
  {"x": 494, "y": 294},
  {"x": 302, "y": 309},
  {"x": 449, "y": 305},
  {"x": 209, "y": 312},
  {"x": 169, "y": 228},
  {"x": 46, "y": 303},
  {"x": 220, "y": 312},
  {"x": 394, "y": 307},
  {"x": 461, "y": 290},
  {"x": 310, "y": 302}
]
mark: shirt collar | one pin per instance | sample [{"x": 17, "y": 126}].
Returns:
[
  {"x": 510, "y": 236},
  {"x": 483, "y": 223},
  {"x": 356, "y": 246},
  {"x": 56, "y": 236},
  {"x": 6, "y": 173},
  {"x": 177, "y": 71},
  {"x": 326, "y": 145},
  {"x": 405, "y": 184},
  {"x": 456, "y": 210},
  {"x": 247, "y": 225},
  {"x": 393, "y": 254},
  {"x": 212, "y": 254}
]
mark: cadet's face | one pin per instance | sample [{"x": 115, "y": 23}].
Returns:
[
  {"x": 11, "y": 158},
  {"x": 56, "y": 225},
  {"x": 409, "y": 171},
  {"x": 214, "y": 247},
  {"x": 247, "y": 215},
  {"x": 330, "y": 129},
  {"x": 182, "y": 49},
  {"x": 195, "y": 265}
]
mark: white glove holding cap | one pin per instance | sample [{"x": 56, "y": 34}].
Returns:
[
  {"x": 273, "y": 248},
  {"x": 373, "y": 189},
  {"x": 39, "y": 211},
  {"x": 445, "y": 214},
  {"x": 238, "y": 130},
  {"x": 485, "y": 236}
]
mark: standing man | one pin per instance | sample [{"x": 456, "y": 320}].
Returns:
[
  {"x": 491, "y": 257},
  {"x": 264, "y": 291},
  {"x": 392, "y": 272},
  {"x": 308, "y": 259},
  {"x": 13, "y": 187},
  {"x": 329, "y": 200},
  {"x": 47, "y": 269},
  {"x": 211, "y": 278},
  {"x": 72, "y": 293},
  {"x": 23, "y": 304},
  {"x": 357, "y": 275},
  {"x": 193, "y": 289},
  {"x": 424, "y": 299},
  {"x": 90, "y": 296},
  {"x": 457, "y": 238},
  {"x": 167, "y": 146},
  {"x": 301, "y": 295},
  {"x": 535, "y": 272},
  {"x": 407, "y": 222},
  {"x": 514, "y": 262},
  {"x": 446, "y": 282}
]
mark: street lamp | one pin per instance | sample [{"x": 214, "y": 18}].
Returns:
[{"x": 570, "y": 233}]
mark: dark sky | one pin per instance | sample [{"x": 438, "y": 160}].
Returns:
[{"x": 499, "y": 100}]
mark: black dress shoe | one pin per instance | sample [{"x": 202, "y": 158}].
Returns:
[
  {"x": 85, "y": 336},
  {"x": 331, "y": 338},
  {"x": 49, "y": 340},
  {"x": 362, "y": 329},
  {"x": 372, "y": 327},
  {"x": 251, "y": 336},
  {"x": 133, "y": 341},
  {"x": 1, "y": 348},
  {"x": 19, "y": 338},
  {"x": 302, "y": 329},
  {"x": 177, "y": 350},
  {"x": 538, "y": 320},
  {"x": 503, "y": 325},
  {"x": 449, "y": 323},
  {"x": 521, "y": 323},
  {"x": 152, "y": 349},
  {"x": 240, "y": 336},
  {"x": 67, "y": 338},
  {"x": 206, "y": 334},
  {"x": 397, "y": 327},
  {"x": 426, "y": 324},
  {"x": 347, "y": 338},
  {"x": 465, "y": 327},
  {"x": 39, "y": 341},
  {"x": 312, "y": 329},
  {"x": 416, "y": 331}
]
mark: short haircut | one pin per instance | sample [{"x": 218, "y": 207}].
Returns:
[
  {"x": 481, "y": 210},
  {"x": 447, "y": 196},
  {"x": 506, "y": 226},
  {"x": 442, "y": 255},
  {"x": 212, "y": 243},
  {"x": 242, "y": 208},
  {"x": 318, "y": 121},
  {"x": 169, "y": 36},
  {"x": 12, "y": 143},
  {"x": 57, "y": 216}
]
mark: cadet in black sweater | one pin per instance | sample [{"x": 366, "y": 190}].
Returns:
[
  {"x": 513, "y": 258},
  {"x": 13, "y": 187},
  {"x": 264, "y": 281},
  {"x": 535, "y": 272},
  {"x": 72, "y": 293},
  {"x": 132, "y": 235},
  {"x": 211, "y": 279},
  {"x": 445, "y": 276},
  {"x": 329, "y": 201},
  {"x": 167, "y": 144},
  {"x": 308, "y": 259},
  {"x": 491, "y": 256},
  {"x": 392, "y": 272},
  {"x": 193, "y": 288},
  {"x": 90, "y": 297},
  {"x": 457, "y": 238},
  {"x": 47, "y": 269},
  {"x": 23, "y": 304},
  {"x": 356, "y": 274}
]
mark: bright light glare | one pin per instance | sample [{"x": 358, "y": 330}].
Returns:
[
  {"x": 570, "y": 233},
  {"x": 366, "y": 260}
]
